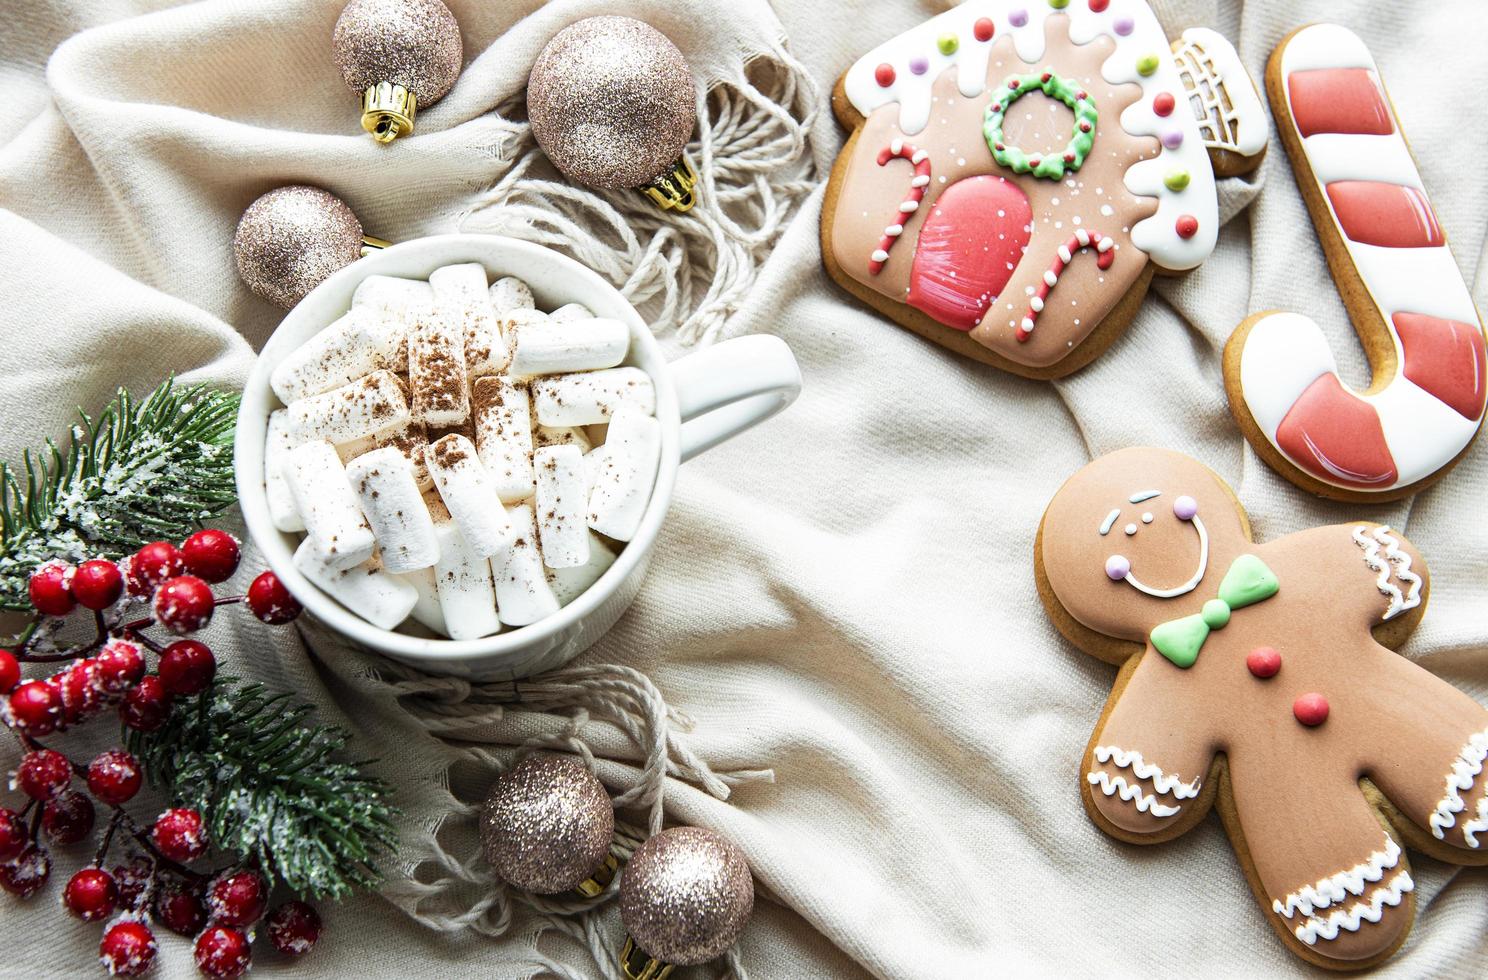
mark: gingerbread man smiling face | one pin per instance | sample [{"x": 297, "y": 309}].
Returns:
[{"x": 1261, "y": 677}]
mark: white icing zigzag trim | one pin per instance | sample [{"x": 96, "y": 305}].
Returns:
[
  {"x": 1476, "y": 825},
  {"x": 1314, "y": 929},
  {"x": 1161, "y": 781},
  {"x": 1402, "y": 569},
  {"x": 1335, "y": 888},
  {"x": 1144, "y": 802},
  {"x": 1465, "y": 770}
]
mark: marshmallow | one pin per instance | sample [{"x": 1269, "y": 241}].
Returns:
[
  {"x": 467, "y": 597},
  {"x": 510, "y": 293},
  {"x": 344, "y": 414},
  {"x": 436, "y": 371},
  {"x": 460, "y": 297},
  {"x": 410, "y": 439},
  {"x": 560, "y": 347},
  {"x": 523, "y": 595},
  {"x": 337, "y": 532},
  {"x": 590, "y": 398},
  {"x": 470, "y": 494},
  {"x": 382, "y": 599},
  {"x": 570, "y": 583},
  {"x": 389, "y": 496},
  {"x": 282, "y": 509},
  {"x": 394, "y": 298},
  {"x": 571, "y": 312},
  {"x": 626, "y": 475},
  {"x": 503, "y": 435},
  {"x": 561, "y": 435},
  {"x": 354, "y": 346},
  {"x": 562, "y": 505},
  {"x": 426, "y": 611}
]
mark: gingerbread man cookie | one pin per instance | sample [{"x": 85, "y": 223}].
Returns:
[
  {"x": 1018, "y": 169},
  {"x": 1396, "y": 275},
  {"x": 1261, "y": 677}
]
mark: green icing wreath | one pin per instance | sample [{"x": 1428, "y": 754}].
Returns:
[{"x": 1055, "y": 166}]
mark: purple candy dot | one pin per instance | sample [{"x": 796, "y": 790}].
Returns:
[
  {"x": 1185, "y": 508},
  {"x": 1173, "y": 139},
  {"x": 1018, "y": 17},
  {"x": 1124, "y": 26},
  {"x": 1117, "y": 568},
  {"x": 919, "y": 65}
]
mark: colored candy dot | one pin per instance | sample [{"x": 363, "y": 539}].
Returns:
[
  {"x": 1263, "y": 662},
  {"x": 1117, "y": 568},
  {"x": 1311, "y": 709},
  {"x": 1216, "y": 613},
  {"x": 1131, "y": 529},
  {"x": 1099, "y": 5},
  {"x": 1018, "y": 17},
  {"x": 1176, "y": 180},
  {"x": 983, "y": 29},
  {"x": 1185, "y": 507},
  {"x": 1173, "y": 139},
  {"x": 1124, "y": 26},
  {"x": 884, "y": 75},
  {"x": 947, "y": 43},
  {"x": 1059, "y": 4},
  {"x": 1147, "y": 64},
  {"x": 1162, "y": 103},
  {"x": 1186, "y": 226},
  {"x": 919, "y": 65}
]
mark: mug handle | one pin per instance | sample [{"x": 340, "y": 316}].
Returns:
[{"x": 730, "y": 387}]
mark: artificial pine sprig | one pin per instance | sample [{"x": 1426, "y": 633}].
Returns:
[
  {"x": 139, "y": 472},
  {"x": 270, "y": 788}
]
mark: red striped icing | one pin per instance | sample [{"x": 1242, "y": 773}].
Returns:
[
  {"x": 1389, "y": 215},
  {"x": 1338, "y": 100},
  {"x": 1445, "y": 357},
  {"x": 969, "y": 245},
  {"x": 1337, "y": 437}
]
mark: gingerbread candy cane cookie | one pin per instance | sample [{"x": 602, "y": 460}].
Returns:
[{"x": 1397, "y": 276}]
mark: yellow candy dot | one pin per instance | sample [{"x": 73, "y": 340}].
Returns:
[
  {"x": 1147, "y": 64},
  {"x": 948, "y": 43},
  {"x": 1059, "y": 4},
  {"x": 1176, "y": 180}
]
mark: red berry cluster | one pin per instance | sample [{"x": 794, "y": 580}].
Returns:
[{"x": 156, "y": 885}]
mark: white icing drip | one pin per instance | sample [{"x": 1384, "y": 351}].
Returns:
[
  {"x": 1336, "y": 888},
  {"x": 1117, "y": 785},
  {"x": 1164, "y": 783},
  {"x": 1465, "y": 770},
  {"x": 1401, "y": 562},
  {"x": 1192, "y": 583},
  {"x": 1391, "y": 895}
]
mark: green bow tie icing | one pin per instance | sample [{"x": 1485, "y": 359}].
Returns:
[{"x": 1247, "y": 582}]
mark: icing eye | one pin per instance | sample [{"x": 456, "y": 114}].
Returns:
[
  {"x": 1117, "y": 568},
  {"x": 1185, "y": 507},
  {"x": 1131, "y": 529},
  {"x": 1147, "y": 517}
]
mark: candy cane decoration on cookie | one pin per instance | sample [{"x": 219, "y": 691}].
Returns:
[
  {"x": 1104, "y": 256},
  {"x": 921, "y": 160},
  {"x": 1415, "y": 315}
]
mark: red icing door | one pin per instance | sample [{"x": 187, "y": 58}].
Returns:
[{"x": 968, "y": 247}]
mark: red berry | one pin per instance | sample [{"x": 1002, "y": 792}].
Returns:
[
  {"x": 68, "y": 818},
  {"x": 270, "y": 601},
  {"x": 146, "y": 706},
  {"x": 10, "y": 672},
  {"x": 90, "y": 894},
  {"x": 35, "y": 707},
  {"x": 80, "y": 690},
  {"x": 179, "y": 835},
  {"x": 114, "y": 777},
  {"x": 120, "y": 666},
  {"x": 43, "y": 774},
  {"x": 128, "y": 948},
  {"x": 293, "y": 928},
  {"x": 237, "y": 898},
  {"x": 153, "y": 564},
  {"x": 183, "y": 604},
  {"x": 186, "y": 668},
  {"x": 51, "y": 588},
  {"x": 27, "y": 873},
  {"x": 222, "y": 953},
  {"x": 13, "y": 837},
  {"x": 211, "y": 554},
  {"x": 179, "y": 908},
  {"x": 97, "y": 584},
  {"x": 133, "y": 880}
]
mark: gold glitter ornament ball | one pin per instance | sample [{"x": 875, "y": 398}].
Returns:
[
  {"x": 398, "y": 55},
  {"x": 547, "y": 824},
  {"x": 291, "y": 239},
  {"x": 686, "y": 895},
  {"x": 612, "y": 102}
]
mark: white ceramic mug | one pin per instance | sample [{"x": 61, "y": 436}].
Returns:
[{"x": 701, "y": 401}]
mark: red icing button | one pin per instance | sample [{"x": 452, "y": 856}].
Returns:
[
  {"x": 1162, "y": 103},
  {"x": 982, "y": 30},
  {"x": 884, "y": 75},
  {"x": 1099, "y": 5},
  {"x": 1264, "y": 662},
  {"x": 1311, "y": 709},
  {"x": 1186, "y": 226}
]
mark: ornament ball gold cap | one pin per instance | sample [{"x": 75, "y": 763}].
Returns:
[
  {"x": 637, "y": 964},
  {"x": 673, "y": 190},
  {"x": 388, "y": 111}
]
